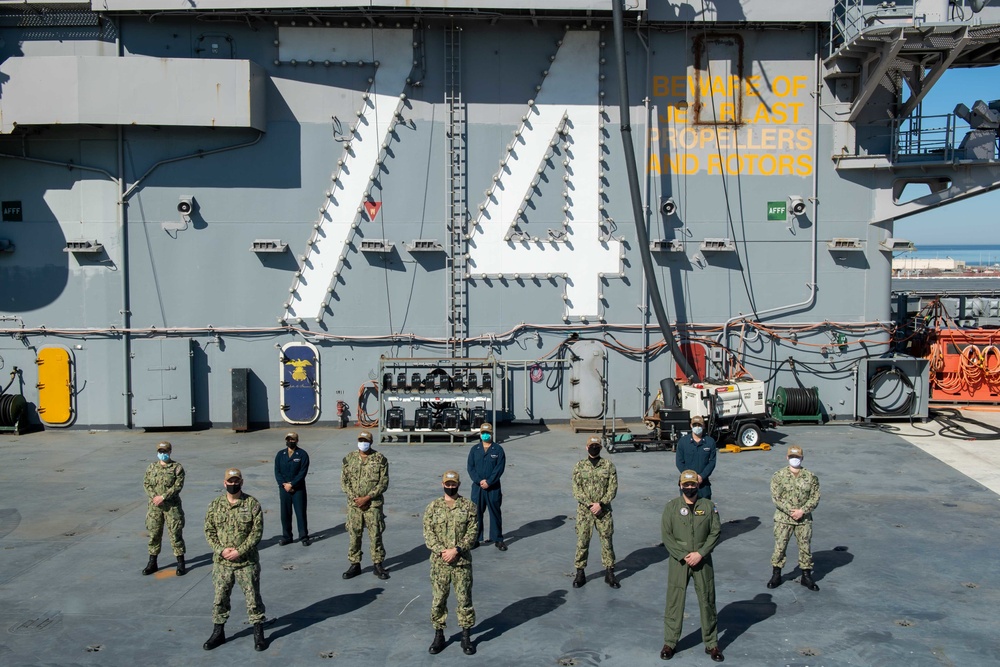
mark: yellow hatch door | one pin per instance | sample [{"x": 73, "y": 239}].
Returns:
[{"x": 55, "y": 385}]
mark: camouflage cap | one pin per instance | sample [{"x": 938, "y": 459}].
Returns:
[
  {"x": 486, "y": 427},
  {"x": 164, "y": 447},
  {"x": 292, "y": 436},
  {"x": 451, "y": 476},
  {"x": 233, "y": 473},
  {"x": 698, "y": 419},
  {"x": 688, "y": 477},
  {"x": 593, "y": 440},
  {"x": 795, "y": 451},
  {"x": 365, "y": 435}
]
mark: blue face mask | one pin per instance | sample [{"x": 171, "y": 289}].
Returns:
[
  {"x": 697, "y": 430},
  {"x": 163, "y": 456},
  {"x": 485, "y": 437}
]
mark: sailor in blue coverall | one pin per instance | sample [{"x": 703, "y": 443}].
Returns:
[
  {"x": 697, "y": 451},
  {"x": 486, "y": 465},
  {"x": 290, "y": 468}
]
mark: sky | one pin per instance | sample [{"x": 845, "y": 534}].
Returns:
[{"x": 975, "y": 220}]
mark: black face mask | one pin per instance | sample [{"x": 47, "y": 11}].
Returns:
[
  {"x": 233, "y": 488},
  {"x": 594, "y": 450},
  {"x": 689, "y": 492},
  {"x": 292, "y": 445},
  {"x": 451, "y": 491}
]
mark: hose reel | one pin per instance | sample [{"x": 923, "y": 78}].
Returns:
[{"x": 796, "y": 404}]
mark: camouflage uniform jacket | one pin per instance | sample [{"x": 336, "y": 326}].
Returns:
[
  {"x": 790, "y": 491},
  {"x": 365, "y": 477},
  {"x": 166, "y": 481},
  {"x": 595, "y": 483},
  {"x": 446, "y": 527},
  {"x": 239, "y": 525}
]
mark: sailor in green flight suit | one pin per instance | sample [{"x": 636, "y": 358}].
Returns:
[{"x": 691, "y": 529}]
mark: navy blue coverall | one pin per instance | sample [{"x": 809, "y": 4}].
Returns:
[
  {"x": 700, "y": 457},
  {"x": 487, "y": 464},
  {"x": 292, "y": 470}
]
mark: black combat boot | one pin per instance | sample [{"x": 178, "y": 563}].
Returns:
[
  {"x": 467, "y": 646},
  {"x": 353, "y": 571},
  {"x": 775, "y": 579},
  {"x": 218, "y": 637},
  {"x": 438, "y": 644},
  {"x": 807, "y": 580},
  {"x": 380, "y": 571},
  {"x": 580, "y": 579},
  {"x": 181, "y": 567},
  {"x": 609, "y": 578},
  {"x": 259, "y": 644},
  {"x": 151, "y": 566}
]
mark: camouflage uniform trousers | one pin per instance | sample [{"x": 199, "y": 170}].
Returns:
[
  {"x": 585, "y": 523},
  {"x": 442, "y": 578},
  {"x": 803, "y": 537},
  {"x": 374, "y": 518},
  {"x": 172, "y": 514},
  {"x": 223, "y": 579}
]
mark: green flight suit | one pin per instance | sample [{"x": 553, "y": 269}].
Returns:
[{"x": 688, "y": 528}]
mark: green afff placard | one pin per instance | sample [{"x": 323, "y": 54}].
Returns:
[{"x": 776, "y": 210}]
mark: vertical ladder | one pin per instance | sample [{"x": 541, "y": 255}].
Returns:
[{"x": 457, "y": 198}]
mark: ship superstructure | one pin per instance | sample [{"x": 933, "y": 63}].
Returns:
[{"x": 201, "y": 202}]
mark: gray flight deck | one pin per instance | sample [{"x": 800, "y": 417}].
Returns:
[{"x": 905, "y": 549}]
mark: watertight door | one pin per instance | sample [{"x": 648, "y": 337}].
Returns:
[{"x": 55, "y": 385}]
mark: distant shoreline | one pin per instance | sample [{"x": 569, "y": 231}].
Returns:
[{"x": 971, "y": 255}]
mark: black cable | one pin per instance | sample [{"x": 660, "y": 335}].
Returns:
[
  {"x": 872, "y": 426},
  {"x": 877, "y": 408},
  {"x": 952, "y": 421}
]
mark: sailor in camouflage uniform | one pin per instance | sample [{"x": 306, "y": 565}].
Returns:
[
  {"x": 234, "y": 525},
  {"x": 364, "y": 478},
  {"x": 595, "y": 485},
  {"x": 795, "y": 492},
  {"x": 450, "y": 528},
  {"x": 163, "y": 482}
]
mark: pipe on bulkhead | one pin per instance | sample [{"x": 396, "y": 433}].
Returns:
[
  {"x": 633, "y": 183},
  {"x": 811, "y": 285}
]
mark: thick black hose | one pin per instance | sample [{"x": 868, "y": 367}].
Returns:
[{"x": 642, "y": 238}]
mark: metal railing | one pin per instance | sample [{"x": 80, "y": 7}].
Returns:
[
  {"x": 933, "y": 138},
  {"x": 850, "y": 18},
  {"x": 923, "y": 137}
]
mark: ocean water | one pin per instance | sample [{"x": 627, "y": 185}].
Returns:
[{"x": 972, "y": 255}]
